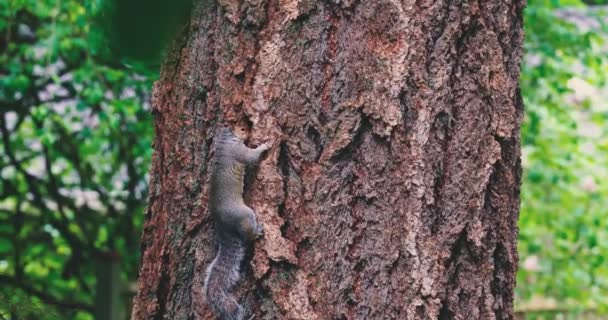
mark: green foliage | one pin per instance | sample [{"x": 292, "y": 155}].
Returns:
[
  {"x": 140, "y": 29},
  {"x": 563, "y": 227},
  {"x": 75, "y": 141}
]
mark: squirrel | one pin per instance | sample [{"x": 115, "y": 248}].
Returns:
[{"x": 235, "y": 222}]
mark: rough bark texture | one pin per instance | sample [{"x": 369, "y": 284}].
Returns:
[{"x": 392, "y": 189}]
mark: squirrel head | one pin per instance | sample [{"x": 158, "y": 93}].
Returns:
[{"x": 224, "y": 133}]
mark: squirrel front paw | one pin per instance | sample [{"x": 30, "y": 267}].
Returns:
[
  {"x": 259, "y": 231},
  {"x": 265, "y": 146}
]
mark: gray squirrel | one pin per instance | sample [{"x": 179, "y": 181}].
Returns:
[{"x": 235, "y": 222}]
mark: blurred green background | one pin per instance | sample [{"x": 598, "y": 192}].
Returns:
[{"x": 75, "y": 149}]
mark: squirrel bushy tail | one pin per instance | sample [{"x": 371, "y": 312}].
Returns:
[{"x": 222, "y": 275}]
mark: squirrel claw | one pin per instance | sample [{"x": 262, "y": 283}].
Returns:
[
  {"x": 259, "y": 231},
  {"x": 265, "y": 146}
]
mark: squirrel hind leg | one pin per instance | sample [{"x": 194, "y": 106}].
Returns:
[
  {"x": 227, "y": 308},
  {"x": 248, "y": 313},
  {"x": 248, "y": 227},
  {"x": 233, "y": 312}
]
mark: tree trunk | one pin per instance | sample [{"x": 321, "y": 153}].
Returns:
[{"x": 392, "y": 189}]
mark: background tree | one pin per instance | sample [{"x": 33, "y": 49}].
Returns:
[
  {"x": 565, "y": 156},
  {"x": 74, "y": 152},
  {"x": 392, "y": 191}
]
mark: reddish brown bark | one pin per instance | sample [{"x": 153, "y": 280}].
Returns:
[{"x": 392, "y": 189}]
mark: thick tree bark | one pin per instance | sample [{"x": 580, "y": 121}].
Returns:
[{"x": 392, "y": 189}]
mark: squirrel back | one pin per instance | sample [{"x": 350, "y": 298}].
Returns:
[
  {"x": 235, "y": 223},
  {"x": 227, "y": 175}
]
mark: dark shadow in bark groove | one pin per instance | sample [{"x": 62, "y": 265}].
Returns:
[
  {"x": 313, "y": 134},
  {"x": 408, "y": 111},
  {"x": 346, "y": 153},
  {"x": 163, "y": 292}
]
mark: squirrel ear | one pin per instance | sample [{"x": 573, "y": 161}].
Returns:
[{"x": 224, "y": 131}]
